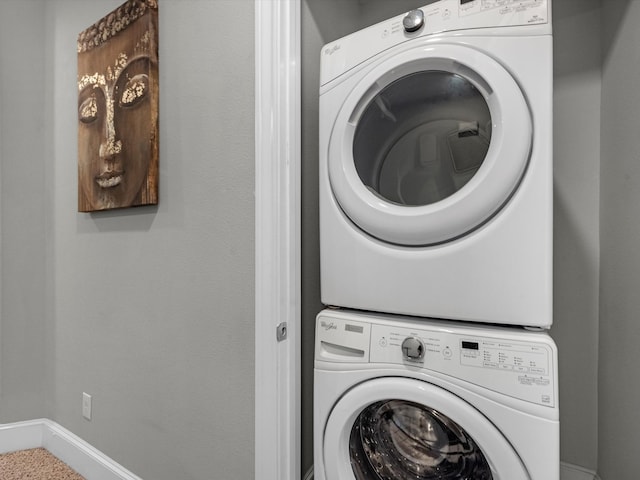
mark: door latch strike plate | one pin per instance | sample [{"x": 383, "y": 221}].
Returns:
[{"x": 281, "y": 331}]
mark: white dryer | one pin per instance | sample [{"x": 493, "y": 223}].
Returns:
[
  {"x": 396, "y": 398},
  {"x": 436, "y": 164}
]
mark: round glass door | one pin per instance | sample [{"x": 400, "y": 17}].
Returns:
[
  {"x": 396, "y": 439},
  {"x": 429, "y": 145},
  {"x": 422, "y": 138},
  {"x": 394, "y": 428}
]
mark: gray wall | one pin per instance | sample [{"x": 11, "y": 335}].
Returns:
[
  {"x": 620, "y": 236},
  {"x": 576, "y": 28},
  {"x": 23, "y": 161},
  {"x": 310, "y": 268},
  {"x": 146, "y": 309}
]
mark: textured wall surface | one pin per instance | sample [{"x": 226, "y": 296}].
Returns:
[
  {"x": 619, "y": 391},
  {"x": 23, "y": 222},
  {"x": 577, "y": 37},
  {"x": 150, "y": 310}
]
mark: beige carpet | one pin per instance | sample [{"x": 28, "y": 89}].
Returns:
[{"x": 35, "y": 464}]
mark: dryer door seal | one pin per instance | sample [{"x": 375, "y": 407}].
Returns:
[
  {"x": 459, "y": 430},
  {"x": 429, "y": 145}
]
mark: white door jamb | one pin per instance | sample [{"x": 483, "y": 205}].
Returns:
[{"x": 277, "y": 237}]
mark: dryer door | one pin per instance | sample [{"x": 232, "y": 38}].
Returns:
[
  {"x": 398, "y": 428},
  {"x": 429, "y": 145}
]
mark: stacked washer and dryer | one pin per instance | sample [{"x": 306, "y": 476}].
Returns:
[{"x": 432, "y": 360}]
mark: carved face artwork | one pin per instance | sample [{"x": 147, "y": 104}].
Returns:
[{"x": 118, "y": 109}]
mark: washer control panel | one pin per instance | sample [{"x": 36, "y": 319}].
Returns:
[{"x": 497, "y": 358}]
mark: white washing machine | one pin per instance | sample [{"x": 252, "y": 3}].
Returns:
[
  {"x": 399, "y": 398},
  {"x": 436, "y": 164}
]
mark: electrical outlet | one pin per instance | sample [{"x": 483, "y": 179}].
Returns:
[{"x": 86, "y": 405}]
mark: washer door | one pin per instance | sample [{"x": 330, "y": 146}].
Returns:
[
  {"x": 429, "y": 145},
  {"x": 398, "y": 428}
]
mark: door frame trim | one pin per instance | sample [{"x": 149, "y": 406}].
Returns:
[{"x": 277, "y": 239}]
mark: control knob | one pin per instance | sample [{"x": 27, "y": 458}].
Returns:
[
  {"x": 413, "y": 348},
  {"x": 413, "y": 21}
]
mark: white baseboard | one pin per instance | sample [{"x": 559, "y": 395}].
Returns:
[
  {"x": 574, "y": 472},
  {"x": 71, "y": 449}
]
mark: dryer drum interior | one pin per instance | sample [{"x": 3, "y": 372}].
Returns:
[
  {"x": 397, "y": 439},
  {"x": 422, "y": 138}
]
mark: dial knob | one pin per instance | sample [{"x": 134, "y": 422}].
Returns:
[
  {"x": 413, "y": 348},
  {"x": 413, "y": 21}
]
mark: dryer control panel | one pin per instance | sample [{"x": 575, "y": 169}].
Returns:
[
  {"x": 531, "y": 11},
  {"x": 497, "y": 358},
  {"x": 462, "y": 17}
]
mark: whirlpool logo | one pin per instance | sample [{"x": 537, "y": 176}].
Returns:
[
  {"x": 328, "y": 325},
  {"x": 332, "y": 50}
]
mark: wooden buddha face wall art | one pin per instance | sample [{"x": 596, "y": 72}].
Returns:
[{"x": 118, "y": 109}]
